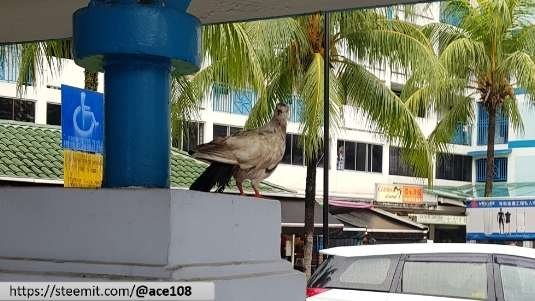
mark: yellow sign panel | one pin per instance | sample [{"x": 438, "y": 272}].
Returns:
[
  {"x": 413, "y": 194},
  {"x": 82, "y": 170}
]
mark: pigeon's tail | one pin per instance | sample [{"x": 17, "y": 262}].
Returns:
[{"x": 217, "y": 174}]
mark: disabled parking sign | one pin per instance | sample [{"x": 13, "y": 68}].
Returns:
[
  {"x": 82, "y": 116},
  {"x": 82, "y": 133}
]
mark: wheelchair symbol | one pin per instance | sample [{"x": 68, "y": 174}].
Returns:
[{"x": 83, "y": 119}]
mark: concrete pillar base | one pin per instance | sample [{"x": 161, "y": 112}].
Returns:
[{"x": 60, "y": 234}]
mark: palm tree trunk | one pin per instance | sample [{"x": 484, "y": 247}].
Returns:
[
  {"x": 310, "y": 200},
  {"x": 490, "y": 150},
  {"x": 91, "y": 80}
]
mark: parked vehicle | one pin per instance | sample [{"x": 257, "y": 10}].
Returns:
[{"x": 425, "y": 272}]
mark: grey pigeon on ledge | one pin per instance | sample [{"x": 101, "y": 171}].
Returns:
[{"x": 252, "y": 154}]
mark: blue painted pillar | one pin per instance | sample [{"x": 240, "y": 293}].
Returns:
[{"x": 137, "y": 44}]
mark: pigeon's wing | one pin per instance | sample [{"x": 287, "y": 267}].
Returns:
[
  {"x": 265, "y": 149},
  {"x": 248, "y": 149},
  {"x": 217, "y": 150}
]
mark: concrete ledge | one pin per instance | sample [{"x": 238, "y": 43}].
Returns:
[
  {"x": 136, "y": 226},
  {"x": 55, "y": 234},
  {"x": 237, "y": 228},
  {"x": 114, "y": 226}
]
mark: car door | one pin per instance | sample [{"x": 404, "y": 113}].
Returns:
[
  {"x": 444, "y": 277},
  {"x": 515, "y": 278}
]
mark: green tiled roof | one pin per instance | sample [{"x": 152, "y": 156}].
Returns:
[
  {"x": 30, "y": 151},
  {"x": 33, "y": 152}
]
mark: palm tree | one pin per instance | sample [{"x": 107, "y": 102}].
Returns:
[
  {"x": 295, "y": 67},
  {"x": 485, "y": 56},
  {"x": 282, "y": 58}
]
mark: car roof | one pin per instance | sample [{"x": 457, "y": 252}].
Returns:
[{"x": 427, "y": 248}]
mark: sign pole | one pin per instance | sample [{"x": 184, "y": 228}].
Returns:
[{"x": 326, "y": 118}]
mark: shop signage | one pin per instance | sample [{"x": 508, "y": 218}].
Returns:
[
  {"x": 431, "y": 219},
  {"x": 393, "y": 193},
  {"x": 503, "y": 219}
]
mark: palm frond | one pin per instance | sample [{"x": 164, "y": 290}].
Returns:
[
  {"x": 403, "y": 46},
  {"x": 522, "y": 67},
  {"x": 511, "y": 110},
  {"x": 464, "y": 57},
  {"x": 388, "y": 114},
  {"x": 312, "y": 93},
  {"x": 185, "y": 103}
]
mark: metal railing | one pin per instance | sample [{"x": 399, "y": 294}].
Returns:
[
  {"x": 232, "y": 101},
  {"x": 9, "y": 66},
  {"x": 500, "y": 170},
  {"x": 242, "y": 102},
  {"x": 502, "y": 127},
  {"x": 296, "y": 108},
  {"x": 462, "y": 135}
]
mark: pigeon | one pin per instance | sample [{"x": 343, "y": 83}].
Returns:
[{"x": 246, "y": 155}]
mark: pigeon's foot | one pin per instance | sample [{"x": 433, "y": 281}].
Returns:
[
  {"x": 257, "y": 194},
  {"x": 240, "y": 188}
]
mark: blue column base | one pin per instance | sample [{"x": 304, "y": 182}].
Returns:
[
  {"x": 137, "y": 136},
  {"x": 137, "y": 44}
]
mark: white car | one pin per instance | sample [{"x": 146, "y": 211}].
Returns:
[{"x": 425, "y": 272}]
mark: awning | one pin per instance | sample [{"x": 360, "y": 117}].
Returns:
[
  {"x": 376, "y": 220},
  {"x": 483, "y": 153},
  {"x": 478, "y": 190},
  {"x": 293, "y": 215}
]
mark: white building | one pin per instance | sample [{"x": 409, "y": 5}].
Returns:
[{"x": 368, "y": 159}]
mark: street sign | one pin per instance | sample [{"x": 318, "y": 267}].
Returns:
[
  {"x": 438, "y": 219},
  {"x": 82, "y": 169},
  {"x": 82, "y": 116}
]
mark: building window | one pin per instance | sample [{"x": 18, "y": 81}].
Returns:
[
  {"x": 502, "y": 127},
  {"x": 395, "y": 87},
  {"x": 296, "y": 108},
  {"x": 225, "y": 130},
  {"x": 454, "y": 167},
  {"x": 450, "y": 16},
  {"x": 500, "y": 170},
  {"x": 192, "y": 135},
  {"x": 232, "y": 101},
  {"x": 397, "y": 166},
  {"x": 359, "y": 156},
  {"x": 53, "y": 114},
  {"x": 17, "y": 109},
  {"x": 294, "y": 152}
]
